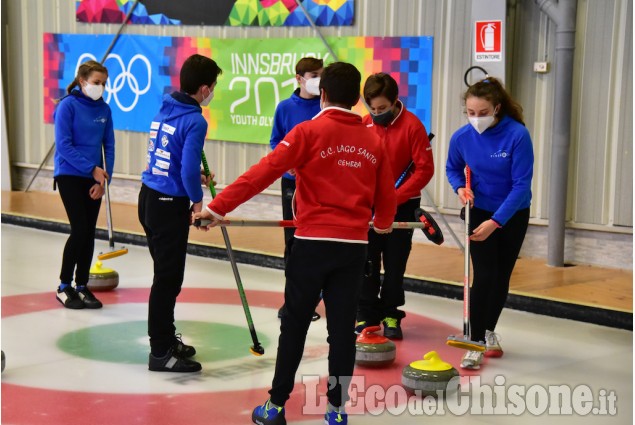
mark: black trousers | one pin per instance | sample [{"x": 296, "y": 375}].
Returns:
[
  {"x": 493, "y": 261},
  {"x": 382, "y": 299},
  {"x": 335, "y": 269},
  {"x": 166, "y": 222},
  {"x": 287, "y": 187},
  {"x": 82, "y": 212}
]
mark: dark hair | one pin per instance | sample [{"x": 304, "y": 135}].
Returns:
[
  {"x": 492, "y": 90},
  {"x": 305, "y": 65},
  {"x": 84, "y": 72},
  {"x": 198, "y": 70},
  {"x": 341, "y": 81},
  {"x": 381, "y": 84}
]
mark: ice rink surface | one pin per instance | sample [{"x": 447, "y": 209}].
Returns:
[{"x": 90, "y": 366}]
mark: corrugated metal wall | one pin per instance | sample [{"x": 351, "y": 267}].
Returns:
[{"x": 601, "y": 172}]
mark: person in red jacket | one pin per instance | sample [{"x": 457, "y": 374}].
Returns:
[
  {"x": 406, "y": 141},
  {"x": 342, "y": 173}
]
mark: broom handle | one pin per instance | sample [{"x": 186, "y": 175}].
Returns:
[
  {"x": 290, "y": 223},
  {"x": 466, "y": 279},
  {"x": 111, "y": 241},
  {"x": 257, "y": 348}
]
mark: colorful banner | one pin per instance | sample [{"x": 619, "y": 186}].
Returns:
[
  {"x": 257, "y": 75},
  {"x": 218, "y": 12}
]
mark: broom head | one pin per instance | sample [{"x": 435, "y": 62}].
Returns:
[
  {"x": 465, "y": 344},
  {"x": 112, "y": 254}
]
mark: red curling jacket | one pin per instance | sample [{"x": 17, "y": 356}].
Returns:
[
  {"x": 406, "y": 140},
  {"x": 342, "y": 172}
]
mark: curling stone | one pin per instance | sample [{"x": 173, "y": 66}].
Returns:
[
  {"x": 374, "y": 350},
  {"x": 4, "y": 362},
  {"x": 102, "y": 279},
  {"x": 430, "y": 375}
]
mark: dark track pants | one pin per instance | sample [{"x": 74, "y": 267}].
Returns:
[
  {"x": 335, "y": 269},
  {"x": 287, "y": 187},
  {"x": 165, "y": 220},
  {"x": 382, "y": 299},
  {"x": 493, "y": 261},
  {"x": 82, "y": 214}
]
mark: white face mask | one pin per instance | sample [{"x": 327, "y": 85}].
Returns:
[
  {"x": 481, "y": 124},
  {"x": 208, "y": 99},
  {"x": 312, "y": 85},
  {"x": 94, "y": 91}
]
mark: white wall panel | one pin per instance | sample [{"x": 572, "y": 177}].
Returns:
[{"x": 620, "y": 131}]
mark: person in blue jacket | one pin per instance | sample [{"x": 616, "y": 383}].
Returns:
[
  {"x": 170, "y": 183},
  {"x": 83, "y": 127},
  {"x": 497, "y": 147},
  {"x": 302, "y": 106}
]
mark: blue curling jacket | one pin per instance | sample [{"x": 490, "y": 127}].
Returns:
[
  {"x": 501, "y": 160},
  {"x": 177, "y": 135},
  {"x": 82, "y": 127},
  {"x": 289, "y": 113}
]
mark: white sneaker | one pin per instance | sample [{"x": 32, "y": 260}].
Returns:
[
  {"x": 472, "y": 360},
  {"x": 492, "y": 345}
]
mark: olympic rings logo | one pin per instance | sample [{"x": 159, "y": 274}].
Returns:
[{"x": 116, "y": 85}]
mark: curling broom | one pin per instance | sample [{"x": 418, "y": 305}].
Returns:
[
  {"x": 465, "y": 342},
  {"x": 256, "y": 349}
]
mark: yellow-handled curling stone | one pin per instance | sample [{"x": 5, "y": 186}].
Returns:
[
  {"x": 430, "y": 375},
  {"x": 102, "y": 279},
  {"x": 374, "y": 350}
]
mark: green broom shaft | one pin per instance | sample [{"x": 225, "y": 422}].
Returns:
[
  {"x": 232, "y": 260},
  {"x": 208, "y": 173}
]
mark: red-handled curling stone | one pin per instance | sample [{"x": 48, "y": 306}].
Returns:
[
  {"x": 373, "y": 350},
  {"x": 430, "y": 376}
]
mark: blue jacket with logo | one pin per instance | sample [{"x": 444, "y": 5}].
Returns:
[
  {"x": 82, "y": 127},
  {"x": 177, "y": 135},
  {"x": 289, "y": 113},
  {"x": 501, "y": 160}
]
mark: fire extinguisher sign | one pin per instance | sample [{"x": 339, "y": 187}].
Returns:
[{"x": 487, "y": 41}]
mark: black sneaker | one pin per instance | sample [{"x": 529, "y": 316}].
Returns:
[
  {"x": 69, "y": 298},
  {"x": 172, "y": 362},
  {"x": 87, "y": 297},
  {"x": 182, "y": 349},
  {"x": 392, "y": 328}
]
